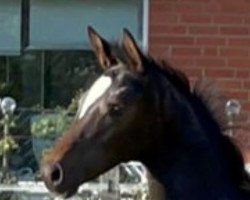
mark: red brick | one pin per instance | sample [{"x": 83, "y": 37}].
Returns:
[
  {"x": 184, "y": 7},
  {"x": 234, "y": 52},
  {"x": 247, "y": 84},
  {"x": 210, "y": 51},
  {"x": 230, "y": 84},
  {"x": 186, "y": 51},
  {"x": 243, "y": 74},
  {"x": 210, "y": 62},
  {"x": 234, "y": 30},
  {"x": 234, "y": 7},
  {"x": 158, "y": 1},
  {"x": 203, "y": 30},
  {"x": 182, "y": 61},
  {"x": 194, "y": 1},
  {"x": 163, "y": 1},
  {"x": 172, "y": 40},
  {"x": 239, "y": 62},
  {"x": 160, "y": 51},
  {"x": 205, "y": 38},
  {"x": 163, "y": 29},
  {"x": 161, "y": 6},
  {"x": 211, "y": 41},
  {"x": 228, "y": 19},
  {"x": 163, "y": 18},
  {"x": 195, "y": 18},
  {"x": 247, "y": 107},
  {"x": 211, "y": 7},
  {"x": 193, "y": 72},
  {"x": 241, "y": 42},
  {"x": 237, "y": 94},
  {"x": 247, "y": 20},
  {"x": 220, "y": 73}
]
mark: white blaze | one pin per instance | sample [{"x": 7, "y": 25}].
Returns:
[
  {"x": 247, "y": 168},
  {"x": 100, "y": 86}
]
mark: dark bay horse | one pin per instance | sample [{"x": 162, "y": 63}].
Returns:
[{"x": 143, "y": 110}]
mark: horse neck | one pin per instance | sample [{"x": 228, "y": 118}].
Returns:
[{"x": 195, "y": 168}]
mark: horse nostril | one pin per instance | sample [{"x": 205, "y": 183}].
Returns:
[{"x": 56, "y": 175}]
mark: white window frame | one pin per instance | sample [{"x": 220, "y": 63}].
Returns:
[{"x": 145, "y": 25}]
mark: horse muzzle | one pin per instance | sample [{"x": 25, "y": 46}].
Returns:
[{"x": 52, "y": 175}]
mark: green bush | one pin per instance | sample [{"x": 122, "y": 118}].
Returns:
[
  {"x": 7, "y": 145},
  {"x": 51, "y": 126}
]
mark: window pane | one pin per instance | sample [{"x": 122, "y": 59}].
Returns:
[
  {"x": 50, "y": 78},
  {"x": 25, "y": 79},
  {"x": 62, "y": 24},
  {"x": 65, "y": 73},
  {"x": 10, "y": 32},
  {"x": 2, "y": 70}
]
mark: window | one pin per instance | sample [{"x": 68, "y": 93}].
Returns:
[
  {"x": 62, "y": 24},
  {"x": 45, "y": 57},
  {"x": 2, "y": 71},
  {"x": 56, "y": 59},
  {"x": 65, "y": 72},
  {"x": 10, "y": 23}
]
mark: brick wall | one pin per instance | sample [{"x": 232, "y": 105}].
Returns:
[{"x": 209, "y": 38}]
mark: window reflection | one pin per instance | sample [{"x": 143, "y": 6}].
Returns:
[
  {"x": 52, "y": 77},
  {"x": 25, "y": 78},
  {"x": 2, "y": 70},
  {"x": 65, "y": 73}
]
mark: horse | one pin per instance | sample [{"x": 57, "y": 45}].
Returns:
[{"x": 142, "y": 109}]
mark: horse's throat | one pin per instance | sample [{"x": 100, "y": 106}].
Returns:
[
  {"x": 188, "y": 159},
  {"x": 195, "y": 175},
  {"x": 191, "y": 169}
]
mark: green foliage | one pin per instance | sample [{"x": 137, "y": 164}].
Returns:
[
  {"x": 73, "y": 106},
  {"x": 6, "y": 195},
  {"x": 7, "y": 145},
  {"x": 51, "y": 126},
  {"x": 9, "y": 90},
  {"x": 3, "y": 89}
]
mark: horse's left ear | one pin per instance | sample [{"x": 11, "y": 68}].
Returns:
[
  {"x": 133, "y": 51},
  {"x": 102, "y": 49}
]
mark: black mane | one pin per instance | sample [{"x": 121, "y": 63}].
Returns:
[{"x": 211, "y": 102}]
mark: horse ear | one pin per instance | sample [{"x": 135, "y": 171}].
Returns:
[
  {"x": 102, "y": 49},
  {"x": 133, "y": 52}
]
